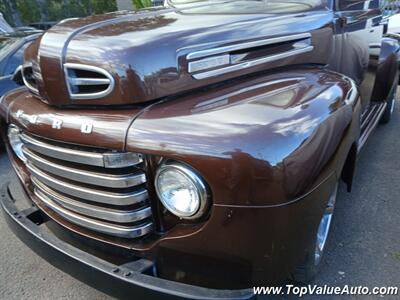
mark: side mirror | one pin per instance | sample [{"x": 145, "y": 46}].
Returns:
[{"x": 17, "y": 76}]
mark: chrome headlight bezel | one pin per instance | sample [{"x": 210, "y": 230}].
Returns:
[
  {"x": 194, "y": 179},
  {"x": 15, "y": 141}
]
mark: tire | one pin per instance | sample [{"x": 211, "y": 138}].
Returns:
[
  {"x": 387, "y": 115},
  {"x": 307, "y": 271}
]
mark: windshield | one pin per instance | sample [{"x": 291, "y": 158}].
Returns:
[
  {"x": 4, "y": 27},
  {"x": 246, "y": 6},
  {"x": 6, "y": 45}
]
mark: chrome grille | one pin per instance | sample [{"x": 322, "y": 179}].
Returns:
[
  {"x": 102, "y": 159},
  {"x": 101, "y": 191},
  {"x": 87, "y": 82}
]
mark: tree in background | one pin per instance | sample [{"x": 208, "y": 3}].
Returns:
[
  {"x": 10, "y": 12},
  {"x": 18, "y": 12},
  {"x": 28, "y": 10},
  {"x": 101, "y": 6},
  {"x": 142, "y": 3}
]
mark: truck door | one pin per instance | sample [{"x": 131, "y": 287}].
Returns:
[{"x": 360, "y": 30}]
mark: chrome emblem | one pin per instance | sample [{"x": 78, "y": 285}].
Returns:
[
  {"x": 209, "y": 63},
  {"x": 87, "y": 128},
  {"x": 19, "y": 113},
  {"x": 33, "y": 119},
  {"x": 57, "y": 124}
]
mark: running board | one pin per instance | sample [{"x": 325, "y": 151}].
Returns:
[{"x": 370, "y": 120}]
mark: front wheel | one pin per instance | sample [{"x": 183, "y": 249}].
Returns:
[{"x": 307, "y": 271}]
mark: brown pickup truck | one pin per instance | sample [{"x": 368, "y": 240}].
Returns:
[{"x": 194, "y": 150}]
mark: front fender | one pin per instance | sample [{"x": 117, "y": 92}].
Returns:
[{"x": 259, "y": 142}]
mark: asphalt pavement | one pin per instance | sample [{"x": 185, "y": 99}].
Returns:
[{"x": 363, "y": 248}]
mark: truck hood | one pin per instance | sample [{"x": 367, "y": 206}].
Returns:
[{"x": 135, "y": 57}]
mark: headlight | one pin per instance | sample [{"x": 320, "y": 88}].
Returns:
[
  {"x": 181, "y": 191},
  {"x": 15, "y": 141}
]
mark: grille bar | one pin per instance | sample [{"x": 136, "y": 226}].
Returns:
[
  {"x": 104, "y": 213},
  {"x": 96, "y": 225},
  {"x": 89, "y": 81},
  {"x": 105, "y": 159},
  {"x": 90, "y": 194},
  {"x": 99, "y": 179},
  {"x": 99, "y": 190}
]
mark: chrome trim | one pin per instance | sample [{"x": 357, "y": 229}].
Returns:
[
  {"x": 96, "y": 178},
  {"x": 371, "y": 125},
  {"x": 194, "y": 178},
  {"x": 6, "y": 77},
  {"x": 209, "y": 63},
  {"x": 352, "y": 94},
  {"x": 107, "y": 160},
  {"x": 99, "y": 226},
  {"x": 15, "y": 74},
  {"x": 393, "y": 102},
  {"x": 324, "y": 227},
  {"x": 108, "y": 214},
  {"x": 89, "y": 194},
  {"x": 88, "y": 96},
  {"x": 28, "y": 85},
  {"x": 252, "y": 63},
  {"x": 89, "y": 81},
  {"x": 247, "y": 45},
  {"x": 13, "y": 134}
]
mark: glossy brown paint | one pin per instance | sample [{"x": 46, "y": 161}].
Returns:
[
  {"x": 6, "y": 101},
  {"x": 240, "y": 218},
  {"x": 269, "y": 137},
  {"x": 109, "y": 126},
  {"x": 387, "y": 68},
  {"x": 301, "y": 111},
  {"x": 150, "y": 34},
  {"x": 232, "y": 246}
]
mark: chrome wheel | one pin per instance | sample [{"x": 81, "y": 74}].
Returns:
[
  {"x": 393, "y": 103},
  {"x": 324, "y": 226}
]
